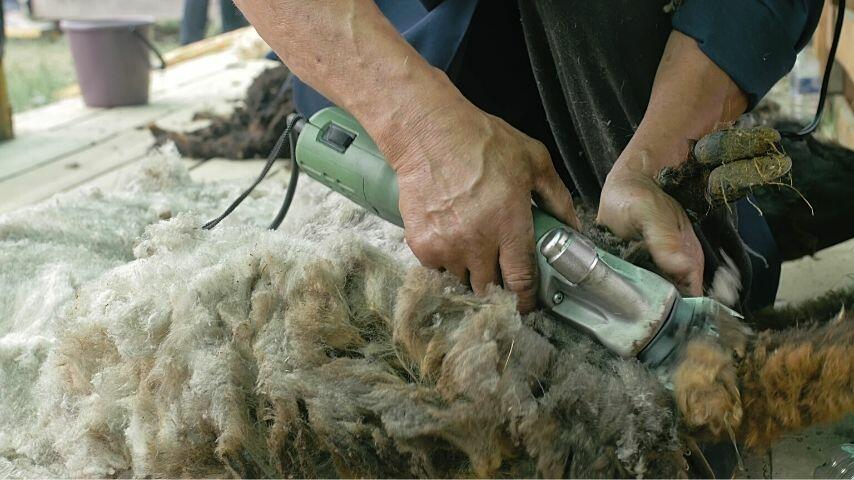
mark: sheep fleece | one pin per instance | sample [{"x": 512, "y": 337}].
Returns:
[{"x": 135, "y": 343}]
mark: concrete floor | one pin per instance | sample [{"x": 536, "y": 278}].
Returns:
[
  {"x": 798, "y": 455},
  {"x": 829, "y": 269}
]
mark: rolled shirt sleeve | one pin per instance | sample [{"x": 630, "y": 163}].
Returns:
[{"x": 754, "y": 41}]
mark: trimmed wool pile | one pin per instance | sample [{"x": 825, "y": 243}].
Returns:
[{"x": 133, "y": 343}]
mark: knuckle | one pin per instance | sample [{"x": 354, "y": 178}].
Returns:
[
  {"x": 539, "y": 149},
  {"x": 422, "y": 247},
  {"x": 413, "y": 241},
  {"x": 603, "y": 216},
  {"x": 456, "y": 233},
  {"x": 541, "y": 159},
  {"x": 522, "y": 281}
]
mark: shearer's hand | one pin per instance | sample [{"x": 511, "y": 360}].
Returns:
[
  {"x": 466, "y": 183},
  {"x": 690, "y": 96},
  {"x": 466, "y": 178},
  {"x": 632, "y": 205}
]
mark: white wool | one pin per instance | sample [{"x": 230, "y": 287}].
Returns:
[
  {"x": 726, "y": 284},
  {"x": 50, "y": 252},
  {"x": 134, "y": 343}
]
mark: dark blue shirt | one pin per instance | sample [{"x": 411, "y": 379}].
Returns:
[
  {"x": 754, "y": 41},
  {"x": 434, "y": 28}
]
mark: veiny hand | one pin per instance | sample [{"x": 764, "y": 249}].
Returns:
[
  {"x": 690, "y": 96},
  {"x": 466, "y": 178},
  {"x": 466, "y": 183},
  {"x": 633, "y": 206}
]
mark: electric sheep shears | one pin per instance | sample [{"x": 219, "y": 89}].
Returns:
[{"x": 631, "y": 311}]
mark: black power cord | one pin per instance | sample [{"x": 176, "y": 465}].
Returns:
[
  {"x": 292, "y": 183},
  {"x": 825, "y": 81},
  {"x": 288, "y": 135}
]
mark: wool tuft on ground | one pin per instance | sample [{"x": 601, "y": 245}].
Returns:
[{"x": 134, "y": 343}]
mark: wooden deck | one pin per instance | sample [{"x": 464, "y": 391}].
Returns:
[{"x": 66, "y": 145}]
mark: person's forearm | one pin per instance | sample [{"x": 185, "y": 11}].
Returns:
[
  {"x": 349, "y": 52},
  {"x": 690, "y": 97}
]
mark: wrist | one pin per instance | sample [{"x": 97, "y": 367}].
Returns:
[
  {"x": 405, "y": 116},
  {"x": 647, "y": 153},
  {"x": 691, "y": 96}
]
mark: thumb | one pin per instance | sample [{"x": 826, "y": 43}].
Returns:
[
  {"x": 553, "y": 196},
  {"x": 519, "y": 268}
]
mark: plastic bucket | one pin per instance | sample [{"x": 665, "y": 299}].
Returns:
[{"x": 111, "y": 58}]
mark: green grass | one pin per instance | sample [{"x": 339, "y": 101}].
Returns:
[{"x": 36, "y": 70}]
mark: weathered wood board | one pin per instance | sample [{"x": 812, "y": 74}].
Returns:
[
  {"x": 42, "y": 147},
  {"x": 64, "y": 145},
  {"x": 88, "y": 9}
]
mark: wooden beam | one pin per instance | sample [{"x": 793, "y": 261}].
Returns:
[
  {"x": 88, "y": 9},
  {"x": 95, "y": 9},
  {"x": 824, "y": 36},
  {"x": 6, "y": 131},
  {"x": 39, "y": 148},
  {"x": 5, "y": 104},
  {"x": 843, "y": 115},
  {"x": 217, "y": 43}
]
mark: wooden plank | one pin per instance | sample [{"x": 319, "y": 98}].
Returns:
[
  {"x": 26, "y": 32},
  {"x": 5, "y": 106},
  {"x": 100, "y": 160},
  {"x": 52, "y": 115},
  {"x": 19, "y": 26},
  {"x": 64, "y": 112},
  {"x": 73, "y": 170},
  {"x": 202, "y": 68},
  {"x": 172, "y": 76},
  {"x": 214, "y": 44},
  {"x": 200, "y": 171},
  {"x": 84, "y": 167},
  {"x": 35, "y": 150},
  {"x": 843, "y": 117},
  {"x": 798, "y": 454},
  {"x": 809, "y": 277},
  {"x": 824, "y": 36},
  {"x": 88, "y": 9}
]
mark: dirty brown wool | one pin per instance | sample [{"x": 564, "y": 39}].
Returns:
[{"x": 797, "y": 377}]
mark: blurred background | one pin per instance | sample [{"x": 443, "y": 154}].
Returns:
[{"x": 38, "y": 64}]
